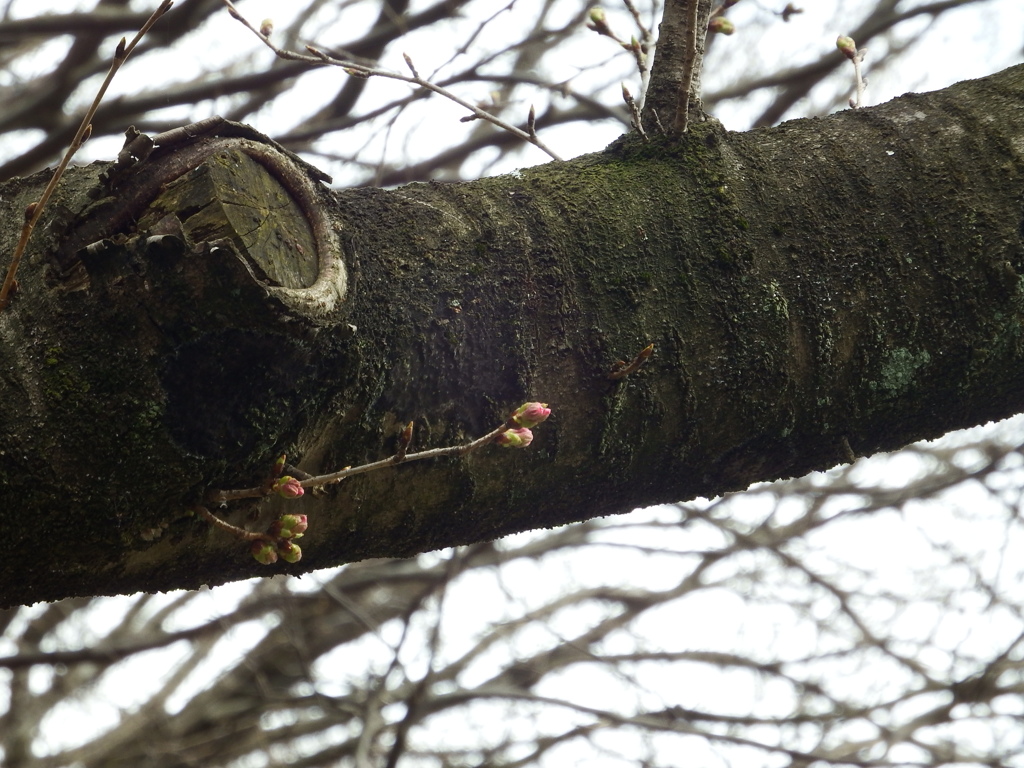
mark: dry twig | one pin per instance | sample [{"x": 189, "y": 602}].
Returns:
[{"x": 35, "y": 210}]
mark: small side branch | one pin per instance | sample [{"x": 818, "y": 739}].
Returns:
[
  {"x": 638, "y": 49},
  {"x": 400, "y": 457},
  {"x": 634, "y": 111},
  {"x": 279, "y": 540},
  {"x": 227, "y": 527}
]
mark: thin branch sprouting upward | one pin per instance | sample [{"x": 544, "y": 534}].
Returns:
[
  {"x": 676, "y": 76},
  {"x": 682, "y": 116}
]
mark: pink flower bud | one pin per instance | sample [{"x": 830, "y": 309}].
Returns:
[
  {"x": 287, "y": 487},
  {"x": 264, "y": 551},
  {"x": 288, "y": 527},
  {"x": 289, "y": 551},
  {"x": 721, "y": 25},
  {"x": 515, "y": 438},
  {"x": 531, "y": 414},
  {"x": 846, "y": 46}
]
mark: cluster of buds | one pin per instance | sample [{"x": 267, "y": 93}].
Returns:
[
  {"x": 267, "y": 552},
  {"x": 288, "y": 527},
  {"x": 525, "y": 417},
  {"x": 279, "y": 541}
]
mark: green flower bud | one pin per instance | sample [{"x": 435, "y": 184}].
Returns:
[
  {"x": 721, "y": 25},
  {"x": 288, "y": 527},
  {"x": 515, "y": 438},
  {"x": 265, "y": 552},
  {"x": 289, "y": 551},
  {"x": 846, "y": 46}
]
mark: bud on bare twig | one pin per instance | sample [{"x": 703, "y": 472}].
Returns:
[
  {"x": 515, "y": 438},
  {"x": 846, "y": 46},
  {"x": 721, "y": 25},
  {"x": 409, "y": 64},
  {"x": 599, "y": 23}
]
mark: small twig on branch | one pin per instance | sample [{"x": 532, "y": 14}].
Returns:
[
  {"x": 645, "y": 32},
  {"x": 403, "y": 443},
  {"x": 522, "y": 419},
  {"x": 622, "y": 369},
  {"x": 317, "y": 57},
  {"x": 316, "y": 481},
  {"x": 35, "y": 210},
  {"x": 634, "y": 111},
  {"x": 224, "y": 525},
  {"x": 849, "y": 49},
  {"x": 638, "y": 48}
]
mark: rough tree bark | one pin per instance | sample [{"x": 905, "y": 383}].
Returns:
[{"x": 830, "y": 288}]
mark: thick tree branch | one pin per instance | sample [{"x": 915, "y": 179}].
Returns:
[{"x": 827, "y": 288}]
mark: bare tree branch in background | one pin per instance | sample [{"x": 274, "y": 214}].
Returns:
[
  {"x": 553, "y": 62},
  {"x": 791, "y": 84},
  {"x": 765, "y": 627},
  {"x": 246, "y": 93}
]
